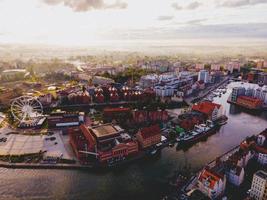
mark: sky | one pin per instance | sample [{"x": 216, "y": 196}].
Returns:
[{"x": 83, "y": 22}]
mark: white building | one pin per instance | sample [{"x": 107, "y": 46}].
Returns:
[
  {"x": 149, "y": 80},
  {"x": 264, "y": 94},
  {"x": 261, "y": 149},
  {"x": 235, "y": 175},
  {"x": 260, "y": 93},
  {"x": 211, "y": 184},
  {"x": 203, "y": 75},
  {"x": 249, "y": 92},
  {"x": 262, "y": 78},
  {"x": 244, "y": 158},
  {"x": 262, "y": 158},
  {"x": 164, "y": 91},
  {"x": 259, "y": 186}
]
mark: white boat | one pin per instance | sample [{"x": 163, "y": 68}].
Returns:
[
  {"x": 189, "y": 137},
  {"x": 195, "y": 133},
  {"x": 154, "y": 151}
]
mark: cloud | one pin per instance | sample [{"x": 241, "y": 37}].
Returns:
[
  {"x": 85, "y": 5},
  {"x": 165, "y": 18},
  {"x": 196, "y": 21},
  {"x": 248, "y": 30},
  {"x": 239, "y": 3},
  {"x": 194, "y": 5},
  {"x": 195, "y": 31},
  {"x": 176, "y": 6},
  {"x": 191, "y": 6}
]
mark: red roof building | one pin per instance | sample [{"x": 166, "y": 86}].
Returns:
[
  {"x": 117, "y": 114},
  {"x": 78, "y": 143},
  {"x": 113, "y": 94},
  {"x": 119, "y": 151},
  {"x": 149, "y": 136},
  {"x": 258, "y": 144},
  {"x": 261, "y": 147},
  {"x": 79, "y": 98},
  {"x": 211, "y": 110},
  {"x": 141, "y": 116},
  {"x": 99, "y": 96},
  {"x": 249, "y": 102},
  {"x": 188, "y": 120},
  {"x": 211, "y": 183},
  {"x": 103, "y": 143}
]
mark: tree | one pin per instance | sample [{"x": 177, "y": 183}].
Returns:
[{"x": 207, "y": 66}]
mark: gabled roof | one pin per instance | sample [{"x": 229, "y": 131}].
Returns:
[
  {"x": 210, "y": 176},
  {"x": 88, "y": 135},
  {"x": 206, "y": 107}
]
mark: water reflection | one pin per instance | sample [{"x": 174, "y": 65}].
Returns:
[{"x": 146, "y": 179}]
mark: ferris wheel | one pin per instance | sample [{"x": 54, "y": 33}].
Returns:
[{"x": 26, "y": 108}]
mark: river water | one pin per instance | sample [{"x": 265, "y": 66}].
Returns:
[{"x": 145, "y": 179}]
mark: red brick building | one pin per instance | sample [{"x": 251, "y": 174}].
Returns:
[
  {"x": 188, "y": 120},
  {"x": 141, "y": 116},
  {"x": 99, "y": 96},
  {"x": 249, "y": 102},
  {"x": 79, "y": 98},
  {"x": 81, "y": 141},
  {"x": 119, "y": 151},
  {"x": 149, "y": 136},
  {"x": 117, "y": 114},
  {"x": 113, "y": 94},
  {"x": 104, "y": 143}
]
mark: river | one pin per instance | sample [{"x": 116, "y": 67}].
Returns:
[{"x": 145, "y": 179}]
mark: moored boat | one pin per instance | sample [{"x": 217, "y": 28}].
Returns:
[{"x": 200, "y": 132}]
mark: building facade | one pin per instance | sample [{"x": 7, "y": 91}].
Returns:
[
  {"x": 235, "y": 175},
  {"x": 149, "y": 136},
  {"x": 259, "y": 186},
  {"x": 211, "y": 183},
  {"x": 211, "y": 110},
  {"x": 203, "y": 75}
]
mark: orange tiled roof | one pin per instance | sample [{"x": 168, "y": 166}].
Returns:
[
  {"x": 205, "y": 107},
  {"x": 210, "y": 176},
  {"x": 251, "y": 99}
]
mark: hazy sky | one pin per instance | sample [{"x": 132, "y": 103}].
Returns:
[{"x": 82, "y": 22}]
